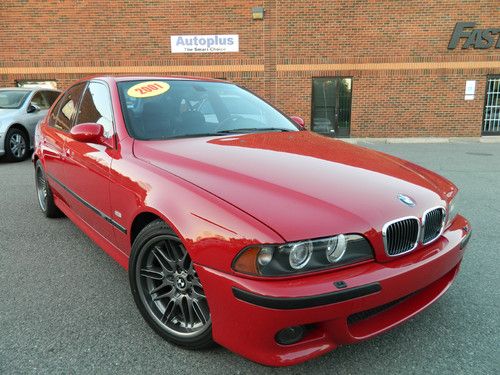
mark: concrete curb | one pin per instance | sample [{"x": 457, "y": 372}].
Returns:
[{"x": 488, "y": 139}]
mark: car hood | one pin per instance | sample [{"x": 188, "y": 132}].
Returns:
[{"x": 301, "y": 184}]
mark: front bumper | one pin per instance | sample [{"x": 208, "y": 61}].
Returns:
[{"x": 247, "y": 313}]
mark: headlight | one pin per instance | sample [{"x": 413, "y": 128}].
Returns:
[
  {"x": 303, "y": 256},
  {"x": 300, "y": 254},
  {"x": 335, "y": 248},
  {"x": 452, "y": 210}
]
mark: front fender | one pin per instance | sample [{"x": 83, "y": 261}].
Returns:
[{"x": 212, "y": 230}]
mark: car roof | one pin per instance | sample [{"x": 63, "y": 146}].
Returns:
[
  {"x": 17, "y": 88},
  {"x": 27, "y": 89},
  {"x": 140, "y": 78}
]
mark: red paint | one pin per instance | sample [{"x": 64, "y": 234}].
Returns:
[
  {"x": 88, "y": 133},
  {"x": 221, "y": 194},
  {"x": 300, "y": 121}
]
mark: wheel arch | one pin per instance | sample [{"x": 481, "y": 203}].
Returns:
[
  {"x": 18, "y": 125},
  {"x": 19, "y": 128},
  {"x": 140, "y": 221},
  {"x": 146, "y": 216}
]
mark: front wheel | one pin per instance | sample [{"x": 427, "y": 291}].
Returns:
[
  {"x": 166, "y": 288},
  {"x": 16, "y": 145}
]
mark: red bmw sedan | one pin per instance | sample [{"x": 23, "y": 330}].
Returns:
[{"x": 239, "y": 227}]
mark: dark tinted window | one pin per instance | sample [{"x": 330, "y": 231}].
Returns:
[
  {"x": 96, "y": 107},
  {"x": 40, "y": 101},
  {"x": 53, "y": 114},
  {"x": 331, "y": 106},
  {"x": 51, "y": 96},
  {"x": 64, "y": 112}
]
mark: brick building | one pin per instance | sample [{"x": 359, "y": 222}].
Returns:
[{"x": 353, "y": 68}]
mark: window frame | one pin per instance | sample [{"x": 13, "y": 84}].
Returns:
[
  {"x": 485, "y": 102},
  {"x": 111, "y": 141},
  {"x": 55, "y": 92},
  {"x": 35, "y": 93},
  {"x": 60, "y": 100},
  {"x": 335, "y": 106}
]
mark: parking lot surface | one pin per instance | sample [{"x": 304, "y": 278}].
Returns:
[{"x": 66, "y": 308}]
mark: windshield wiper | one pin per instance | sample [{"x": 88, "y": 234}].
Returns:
[
  {"x": 218, "y": 133},
  {"x": 182, "y": 136},
  {"x": 250, "y": 130}
]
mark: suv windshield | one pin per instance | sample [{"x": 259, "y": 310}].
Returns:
[
  {"x": 164, "y": 109},
  {"x": 11, "y": 99}
]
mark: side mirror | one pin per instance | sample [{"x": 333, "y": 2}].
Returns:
[
  {"x": 299, "y": 121},
  {"x": 87, "y": 132},
  {"x": 32, "y": 108}
]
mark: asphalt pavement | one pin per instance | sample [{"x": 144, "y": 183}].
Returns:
[{"x": 66, "y": 308}]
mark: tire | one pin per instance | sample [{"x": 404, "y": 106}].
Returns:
[
  {"x": 44, "y": 194},
  {"x": 17, "y": 145},
  {"x": 166, "y": 288}
]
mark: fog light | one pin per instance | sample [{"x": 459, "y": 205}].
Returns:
[{"x": 290, "y": 335}]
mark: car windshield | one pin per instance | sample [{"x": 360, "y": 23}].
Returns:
[
  {"x": 167, "y": 109},
  {"x": 11, "y": 99}
]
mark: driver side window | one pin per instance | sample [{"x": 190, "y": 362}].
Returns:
[
  {"x": 40, "y": 101},
  {"x": 96, "y": 108},
  {"x": 64, "y": 112}
]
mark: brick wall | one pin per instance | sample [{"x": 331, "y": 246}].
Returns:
[{"x": 405, "y": 80}]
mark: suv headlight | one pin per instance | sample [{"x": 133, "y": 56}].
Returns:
[
  {"x": 452, "y": 210},
  {"x": 303, "y": 256}
]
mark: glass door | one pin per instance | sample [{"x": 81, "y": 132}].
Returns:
[
  {"x": 331, "y": 106},
  {"x": 491, "y": 118}
]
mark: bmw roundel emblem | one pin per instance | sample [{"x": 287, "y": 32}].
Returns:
[{"x": 406, "y": 200}]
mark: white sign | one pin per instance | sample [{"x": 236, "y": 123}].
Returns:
[
  {"x": 204, "y": 43},
  {"x": 470, "y": 90}
]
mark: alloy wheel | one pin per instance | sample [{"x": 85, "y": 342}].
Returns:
[
  {"x": 17, "y": 145},
  {"x": 41, "y": 189},
  {"x": 170, "y": 289}
]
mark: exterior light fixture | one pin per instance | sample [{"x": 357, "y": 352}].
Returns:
[{"x": 258, "y": 13}]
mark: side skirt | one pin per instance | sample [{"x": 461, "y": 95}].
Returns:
[{"x": 102, "y": 242}]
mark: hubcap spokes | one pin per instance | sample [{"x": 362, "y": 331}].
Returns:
[
  {"x": 171, "y": 289},
  {"x": 17, "y": 145}
]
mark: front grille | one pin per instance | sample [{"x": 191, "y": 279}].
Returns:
[
  {"x": 401, "y": 236},
  {"x": 433, "y": 224}
]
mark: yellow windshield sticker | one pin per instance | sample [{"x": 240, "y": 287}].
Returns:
[{"x": 148, "y": 89}]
